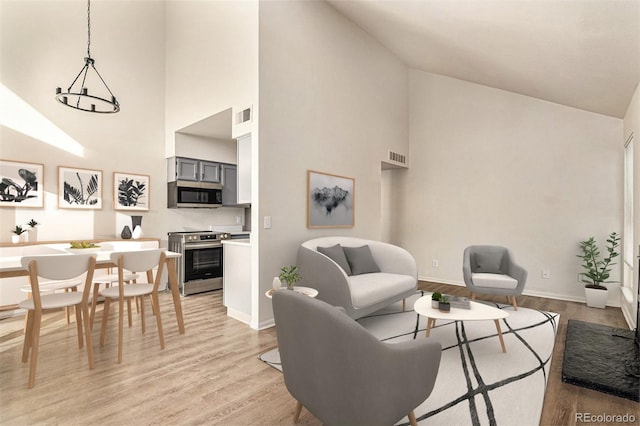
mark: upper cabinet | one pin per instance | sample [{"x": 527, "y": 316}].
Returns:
[
  {"x": 229, "y": 184},
  {"x": 182, "y": 168}
]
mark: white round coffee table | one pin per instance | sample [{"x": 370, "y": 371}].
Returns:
[{"x": 478, "y": 312}]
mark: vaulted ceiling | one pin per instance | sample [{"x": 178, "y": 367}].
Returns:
[{"x": 580, "y": 53}]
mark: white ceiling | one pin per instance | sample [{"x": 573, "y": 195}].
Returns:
[{"x": 580, "y": 53}]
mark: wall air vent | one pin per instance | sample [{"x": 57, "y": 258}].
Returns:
[
  {"x": 398, "y": 158},
  {"x": 243, "y": 116},
  {"x": 395, "y": 160}
]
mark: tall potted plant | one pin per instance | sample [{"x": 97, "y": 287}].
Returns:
[{"x": 596, "y": 269}]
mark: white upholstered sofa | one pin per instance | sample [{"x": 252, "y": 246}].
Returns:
[{"x": 356, "y": 285}]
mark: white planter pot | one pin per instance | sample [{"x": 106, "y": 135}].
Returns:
[
  {"x": 16, "y": 238},
  {"x": 596, "y": 298},
  {"x": 32, "y": 235}
]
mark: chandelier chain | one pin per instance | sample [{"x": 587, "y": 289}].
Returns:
[{"x": 89, "y": 28}]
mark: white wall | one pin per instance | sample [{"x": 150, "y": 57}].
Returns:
[
  {"x": 43, "y": 44},
  {"x": 632, "y": 127},
  {"x": 494, "y": 167},
  {"x": 211, "y": 66},
  {"x": 333, "y": 100}
]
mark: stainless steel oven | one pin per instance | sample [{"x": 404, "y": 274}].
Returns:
[{"x": 200, "y": 268}]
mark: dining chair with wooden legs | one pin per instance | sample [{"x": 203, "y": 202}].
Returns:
[
  {"x": 108, "y": 281},
  {"x": 56, "y": 267},
  {"x": 141, "y": 260}
]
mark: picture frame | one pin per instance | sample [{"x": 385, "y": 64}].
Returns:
[
  {"x": 79, "y": 188},
  {"x": 130, "y": 191},
  {"x": 22, "y": 184},
  {"x": 330, "y": 200}
]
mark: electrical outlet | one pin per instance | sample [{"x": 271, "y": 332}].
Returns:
[
  {"x": 546, "y": 274},
  {"x": 435, "y": 263},
  {"x": 267, "y": 222}
]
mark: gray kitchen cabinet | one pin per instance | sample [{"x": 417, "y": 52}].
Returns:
[
  {"x": 229, "y": 174},
  {"x": 196, "y": 170}
]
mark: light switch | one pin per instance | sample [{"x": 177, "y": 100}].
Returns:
[{"x": 267, "y": 222}]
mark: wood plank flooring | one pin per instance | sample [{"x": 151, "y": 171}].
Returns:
[{"x": 211, "y": 374}]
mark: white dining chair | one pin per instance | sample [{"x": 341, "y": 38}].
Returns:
[
  {"x": 141, "y": 260},
  {"x": 48, "y": 286},
  {"x": 109, "y": 280},
  {"x": 55, "y": 267}
]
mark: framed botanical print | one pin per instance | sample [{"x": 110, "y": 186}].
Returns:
[
  {"x": 79, "y": 188},
  {"x": 130, "y": 191},
  {"x": 21, "y": 184},
  {"x": 330, "y": 200}
]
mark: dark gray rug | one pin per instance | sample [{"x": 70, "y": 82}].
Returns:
[{"x": 601, "y": 358}]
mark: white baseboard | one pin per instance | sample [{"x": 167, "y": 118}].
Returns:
[
  {"x": 240, "y": 316},
  {"x": 543, "y": 294}
]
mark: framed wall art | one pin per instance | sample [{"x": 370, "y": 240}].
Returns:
[
  {"x": 79, "y": 188},
  {"x": 330, "y": 200},
  {"x": 130, "y": 191},
  {"x": 21, "y": 184}
]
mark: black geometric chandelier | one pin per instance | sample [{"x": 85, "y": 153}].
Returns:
[{"x": 79, "y": 97}]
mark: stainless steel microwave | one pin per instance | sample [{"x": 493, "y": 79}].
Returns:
[{"x": 184, "y": 193}]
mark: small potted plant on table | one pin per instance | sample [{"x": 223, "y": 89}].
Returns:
[
  {"x": 444, "y": 304},
  {"x": 17, "y": 234},
  {"x": 435, "y": 300},
  {"x": 290, "y": 275},
  {"x": 597, "y": 270},
  {"x": 33, "y": 231}
]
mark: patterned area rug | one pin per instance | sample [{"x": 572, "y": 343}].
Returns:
[{"x": 477, "y": 383}]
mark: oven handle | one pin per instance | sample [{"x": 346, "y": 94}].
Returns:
[{"x": 196, "y": 246}]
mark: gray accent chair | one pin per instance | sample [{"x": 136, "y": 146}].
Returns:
[
  {"x": 492, "y": 270},
  {"x": 343, "y": 374}
]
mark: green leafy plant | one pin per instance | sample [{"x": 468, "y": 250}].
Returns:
[
  {"x": 436, "y": 296},
  {"x": 18, "y": 230},
  {"x": 290, "y": 275},
  {"x": 444, "y": 299},
  {"x": 597, "y": 270},
  {"x": 32, "y": 223}
]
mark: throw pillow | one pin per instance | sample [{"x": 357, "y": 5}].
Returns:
[
  {"x": 489, "y": 262},
  {"x": 361, "y": 260},
  {"x": 336, "y": 253}
]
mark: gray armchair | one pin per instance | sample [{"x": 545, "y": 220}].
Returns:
[
  {"x": 492, "y": 270},
  {"x": 344, "y": 375}
]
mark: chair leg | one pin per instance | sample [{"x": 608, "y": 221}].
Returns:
[
  {"x": 105, "y": 315},
  {"x": 513, "y": 302},
  {"x": 154, "y": 296},
  {"x": 26, "y": 317},
  {"x": 120, "y": 328},
  {"x": 94, "y": 302},
  {"x": 296, "y": 414},
  {"x": 27, "y": 335},
  {"x": 35, "y": 332},
  {"x": 404, "y": 305},
  {"x": 129, "y": 312},
  {"x": 412, "y": 418},
  {"x": 144, "y": 322},
  {"x": 66, "y": 310},
  {"x": 79, "y": 326},
  {"x": 87, "y": 331},
  {"x": 473, "y": 296}
]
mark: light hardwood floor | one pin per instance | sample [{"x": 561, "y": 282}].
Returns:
[{"x": 211, "y": 374}]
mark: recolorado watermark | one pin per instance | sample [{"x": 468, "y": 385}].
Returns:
[{"x": 605, "y": 418}]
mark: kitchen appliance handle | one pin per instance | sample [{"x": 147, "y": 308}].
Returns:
[{"x": 196, "y": 246}]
